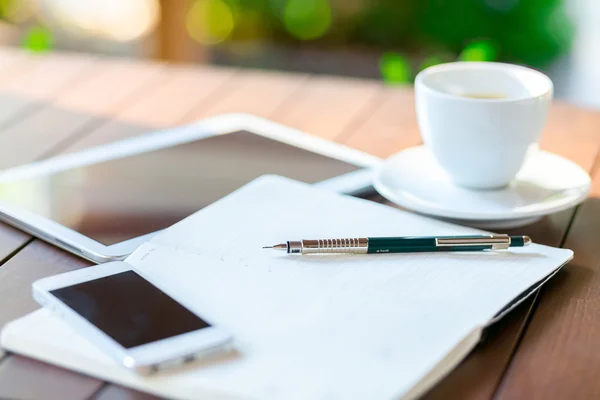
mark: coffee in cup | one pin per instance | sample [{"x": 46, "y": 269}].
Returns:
[{"x": 479, "y": 119}]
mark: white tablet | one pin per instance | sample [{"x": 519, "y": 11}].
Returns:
[{"x": 102, "y": 203}]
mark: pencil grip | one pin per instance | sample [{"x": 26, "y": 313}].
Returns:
[{"x": 320, "y": 246}]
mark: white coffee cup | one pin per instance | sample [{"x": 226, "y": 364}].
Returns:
[{"x": 479, "y": 119}]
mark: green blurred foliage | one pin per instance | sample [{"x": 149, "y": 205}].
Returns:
[
  {"x": 410, "y": 34},
  {"x": 479, "y": 50},
  {"x": 38, "y": 39},
  {"x": 531, "y": 32},
  {"x": 430, "y": 61},
  {"x": 395, "y": 68},
  {"x": 307, "y": 19}
]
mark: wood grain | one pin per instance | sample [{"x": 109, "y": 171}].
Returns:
[
  {"x": 328, "y": 106},
  {"x": 22, "y": 378},
  {"x": 12, "y": 63},
  {"x": 163, "y": 105},
  {"x": 107, "y": 100},
  {"x": 80, "y": 108},
  {"x": 559, "y": 356},
  {"x": 391, "y": 127},
  {"x": 37, "y": 80},
  {"x": 471, "y": 380},
  {"x": 88, "y": 105},
  {"x": 25, "y": 378},
  {"x": 197, "y": 93},
  {"x": 188, "y": 88},
  {"x": 255, "y": 92},
  {"x": 478, "y": 376},
  {"x": 573, "y": 133},
  {"x": 9, "y": 56},
  {"x": 29, "y": 85},
  {"x": 37, "y": 260},
  {"x": 26, "y": 82}
]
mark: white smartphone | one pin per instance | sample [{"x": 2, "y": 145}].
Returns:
[{"x": 129, "y": 318}]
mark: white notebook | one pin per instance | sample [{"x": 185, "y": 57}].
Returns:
[{"x": 309, "y": 327}]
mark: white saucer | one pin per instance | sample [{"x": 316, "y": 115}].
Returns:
[{"x": 548, "y": 183}]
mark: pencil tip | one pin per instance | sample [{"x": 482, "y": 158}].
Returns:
[{"x": 277, "y": 246}]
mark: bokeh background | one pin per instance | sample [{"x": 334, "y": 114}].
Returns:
[{"x": 391, "y": 40}]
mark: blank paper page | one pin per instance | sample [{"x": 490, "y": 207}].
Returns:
[{"x": 330, "y": 326}]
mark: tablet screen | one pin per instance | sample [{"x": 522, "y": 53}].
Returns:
[{"x": 125, "y": 198}]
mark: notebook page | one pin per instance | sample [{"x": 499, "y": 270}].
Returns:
[{"x": 334, "y": 326}]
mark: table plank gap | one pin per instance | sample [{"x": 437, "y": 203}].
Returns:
[
  {"x": 76, "y": 112},
  {"x": 22, "y": 377},
  {"x": 12, "y": 64},
  {"x": 36, "y": 260},
  {"x": 294, "y": 95},
  {"x": 116, "y": 392},
  {"x": 41, "y": 79},
  {"x": 327, "y": 106},
  {"x": 162, "y": 107},
  {"x": 363, "y": 115},
  {"x": 485, "y": 363},
  {"x": 219, "y": 96},
  {"x": 254, "y": 92},
  {"x": 11, "y": 241},
  {"x": 480, "y": 373},
  {"x": 16, "y": 249},
  {"x": 26, "y": 378},
  {"x": 29, "y": 108},
  {"x": 391, "y": 128},
  {"x": 518, "y": 338}
]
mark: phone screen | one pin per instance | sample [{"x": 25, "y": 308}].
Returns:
[{"x": 129, "y": 309}]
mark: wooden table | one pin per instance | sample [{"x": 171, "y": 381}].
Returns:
[{"x": 548, "y": 348}]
